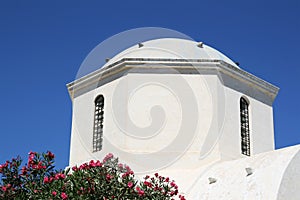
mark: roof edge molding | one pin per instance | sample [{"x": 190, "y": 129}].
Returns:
[{"x": 161, "y": 65}]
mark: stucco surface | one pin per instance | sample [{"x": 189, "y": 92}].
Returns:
[
  {"x": 172, "y": 48},
  {"x": 275, "y": 176}
]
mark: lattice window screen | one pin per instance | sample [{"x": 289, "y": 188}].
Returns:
[
  {"x": 98, "y": 123},
  {"x": 245, "y": 132}
]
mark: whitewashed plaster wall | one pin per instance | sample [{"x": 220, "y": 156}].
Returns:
[
  {"x": 261, "y": 125},
  {"x": 140, "y": 105},
  {"x": 275, "y": 176},
  {"x": 217, "y": 135}
]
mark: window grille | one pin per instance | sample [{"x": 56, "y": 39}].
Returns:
[
  {"x": 245, "y": 132},
  {"x": 98, "y": 123}
]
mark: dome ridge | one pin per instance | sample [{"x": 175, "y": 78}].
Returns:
[{"x": 171, "y": 48}]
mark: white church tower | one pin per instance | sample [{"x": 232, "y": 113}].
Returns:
[{"x": 187, "y": 111}]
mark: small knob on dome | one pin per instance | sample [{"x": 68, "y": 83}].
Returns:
[
  {"x": 212, "y": 180},
  {"x": 200, "y": 44},
  {"x": 140, "y": 45}
]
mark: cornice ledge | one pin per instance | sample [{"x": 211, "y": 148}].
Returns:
[
  {"x": 129, "y": 63},
  {"x": 245, "y": 76},
  {"x": 134, "y": 62}
]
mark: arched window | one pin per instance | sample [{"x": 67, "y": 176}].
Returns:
[
  {"x": 98, "y": 123},
  {"x": 245, "y": 132}
]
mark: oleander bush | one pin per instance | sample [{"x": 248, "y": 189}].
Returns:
[{"x": 107, "y": 179}]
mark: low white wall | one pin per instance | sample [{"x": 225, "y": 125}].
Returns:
[{"x": 275, "y": 176}]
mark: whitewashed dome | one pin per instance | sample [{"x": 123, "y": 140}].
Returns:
[{"x": 171, "y": 48}]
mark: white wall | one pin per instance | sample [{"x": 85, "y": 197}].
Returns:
[
  {"x": 217, "y": 135},
  {"x": 275, "y": 176},
  {"x": 261, "y": 126},
  {"x": 153, "y": 92}
]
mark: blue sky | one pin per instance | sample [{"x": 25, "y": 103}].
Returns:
[{"x": 42, "y": 45}]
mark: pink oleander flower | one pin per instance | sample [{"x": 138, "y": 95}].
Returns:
[
  {"x": 64, "y": 196},
  {"x": 50, "y": 155},
  {"x": 108, "y": 177},
  {"x": 148, "y": 184},
  {"x": 174, "y": 185},
  {"x": 146, "y": 177},
  {"x": 75, "y": 168},
  {"x": 23, "y": 170},
  {"x": 107, "y": 157},
  {"x": 98, "y": 163},
  {"x": 92, "y": 163},
  {"x": 120, "y": 165},
  {"x": 140, "y": 191},
  {"x": 46, "y": 180},
  {"x": 130, "y": 184},
  {"x": 59, "y": 176},
  {"x": 3, "y": 188},
  {"x": 83, "y": 166}
]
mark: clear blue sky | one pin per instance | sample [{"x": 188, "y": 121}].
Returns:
[{"x": 42, "y": 44}]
